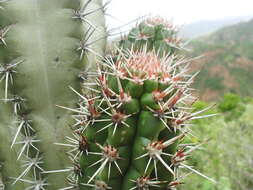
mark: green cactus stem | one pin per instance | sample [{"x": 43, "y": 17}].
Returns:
[
  {"x": 45, "y": 46},
  {"x": 156, "y": 33},
  {"x": 120, "y": 131}
]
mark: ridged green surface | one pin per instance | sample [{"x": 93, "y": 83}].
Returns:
[
  {"x": 134, "y": 115},
  {"x": 130, "y": 125},
  {"x": 9, "y": 165},
  {"x": 43, "y": 35},
  {"x": 160, "y": 35}
]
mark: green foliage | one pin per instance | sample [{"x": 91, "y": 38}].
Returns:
[
  {"x": 243, "y": 77},
  {"x": 230, "y": 101},
  {"x": 238, "y": 150},
  {"x": 215, "y": 83},
  {"x": 232, "y": 106},
  {"x": 225, "y": 157},
  {"x": 199, "y": 105}
]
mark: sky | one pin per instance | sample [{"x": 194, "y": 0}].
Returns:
[{"x": 180, "y": 11}]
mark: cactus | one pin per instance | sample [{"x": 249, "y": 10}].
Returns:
[
  {"x": 156, "y": 33},
  {"x": 45, "y": 47},
  {"x": 130, "y": 122}
]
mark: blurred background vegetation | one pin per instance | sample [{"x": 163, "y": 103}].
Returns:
[
  {"x": 225, "y": 78},
  {"x": 227, "y": 62},
  {"x": 228, "y": 155}
]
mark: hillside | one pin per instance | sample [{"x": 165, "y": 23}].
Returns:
[
  {"x": 204, "y": 27},
  {"x": 227, "y": 65}
]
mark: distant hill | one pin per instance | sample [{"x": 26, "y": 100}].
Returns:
[
  {"x": 205, "y": 27},
  {"x": 227, "y": 65}
]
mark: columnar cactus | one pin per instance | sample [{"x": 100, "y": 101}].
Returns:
[
  {"x": 130, "y": 122},
  {"x": 45, "y": 46}
]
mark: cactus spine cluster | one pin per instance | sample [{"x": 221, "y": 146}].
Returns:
[
  {"x": 133, "y": 115},
  {"x": 156, "y": 33},
  {"x": 45, "y": 46}
]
